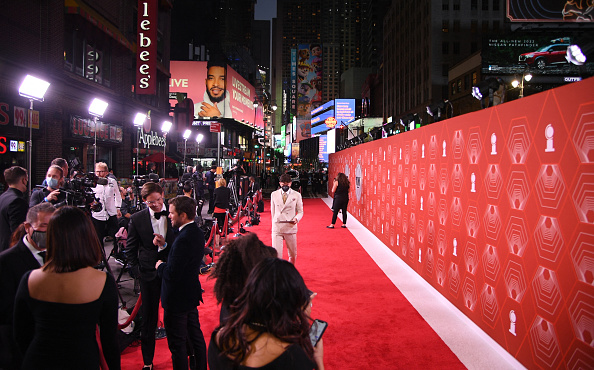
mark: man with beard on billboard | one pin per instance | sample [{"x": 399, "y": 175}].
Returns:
[{"x": 216, "y": 100}]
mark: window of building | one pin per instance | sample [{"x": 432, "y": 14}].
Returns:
[
  {"x": 485, "y": 4},
  {"x": 474, "y": 78},
  {"x": 485, "y": 27},
  {"x": 473, "y": 4},
  {"x": 456, "y": 48},
  {"x": 444, "y": 69},
  {"x": 457, "y": 25},
  {"x": 473, "y": 26},
  {"x": 87, "y": 58},
  {"x": 445, "y": 48},
  {"x": 495, "y": 4},
  {"x": 456, "y": 4},
  {"x": 496, "y": 27},
  {"x": 473, "y": 47},
  {"x": 445, "y": 5},
  {"x": 459, "y": 85},
  {"x": 466, "y": 81},
  {"x": 445, "y": 25}
]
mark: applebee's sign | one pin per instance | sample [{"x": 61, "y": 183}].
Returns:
[
  {"x": 151, "y": 139},
  {"x": 146, "y": 48}
]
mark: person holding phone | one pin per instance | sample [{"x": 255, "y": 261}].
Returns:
[{"x": 269, "y": 324}]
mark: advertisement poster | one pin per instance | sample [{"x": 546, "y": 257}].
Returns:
[
  {"x": 228, "y": 95},
  {"x": 550, "y": 11},
  {"x": 543, "y": 54},
  {"x": 309, "y": 79}
]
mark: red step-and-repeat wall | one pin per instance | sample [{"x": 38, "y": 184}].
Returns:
[{"x": 495, "y": 209}]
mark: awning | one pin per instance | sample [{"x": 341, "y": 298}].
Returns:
[
  {"x": 80, "y": 8},
  {"x": 158, "y": 158}
]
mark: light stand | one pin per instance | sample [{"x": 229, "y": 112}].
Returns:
[
  {"x": 96, "y": 109},
  {"x": 525, "y": 76},
  {"x": 187, "y": 134},
  {"x": 32, "y": 88},
  {"x": 138, "y": 122},
  {"x": 165, "y": 128}
]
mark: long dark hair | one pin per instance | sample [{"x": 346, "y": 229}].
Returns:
[
  {"x": 273, "y": 301},
  {"x": 237, "y": 260},
  {"x": 343, "y": 180},
  {"x": 72, "y": 242}
]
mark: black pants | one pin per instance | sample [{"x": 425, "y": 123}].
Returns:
[
  {"x": 151, "y": 294},
  {"x": 106, "y": 228},
  {"x": 211, "y": 201},
  {"x": 182, "y": 327},
  {"x": 342, "y": 206}
]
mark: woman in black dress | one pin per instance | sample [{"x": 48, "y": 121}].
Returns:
[
  {"x": 269, "y": 324},
  {"x": 340, "y": 188},
  {"x": 222, "y": 195},
  {"x": 58, "y": 306}
]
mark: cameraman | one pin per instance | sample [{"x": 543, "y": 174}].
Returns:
[
  {"x": 198, "y": 178},
  {"x": 106, "y": 221},
  {"x": 54, "y": 179}
]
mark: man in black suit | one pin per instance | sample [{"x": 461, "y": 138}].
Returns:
[
  {"x": 181, "y": 291},
  {"x": 14, "y": 262},
  {"x": 13, "y": 206},
  {"x": 150, "y": 236}
]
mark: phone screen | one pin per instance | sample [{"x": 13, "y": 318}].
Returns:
[{"x": 317, "y": 329}]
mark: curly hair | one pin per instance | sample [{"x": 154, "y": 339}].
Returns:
[
  {"x": 273, "y": 301},
  {"x": 233, "y": 267},
  {"x": 343, "y": 180}
]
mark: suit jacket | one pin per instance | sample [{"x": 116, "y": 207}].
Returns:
[
  {"x": 141, "y": 252},
  {"x": 181, "y": 290},
  {"x": 293, "y": 208},
  {"x": 13, "y": 211},
  {"x": 14, "y": 263}
]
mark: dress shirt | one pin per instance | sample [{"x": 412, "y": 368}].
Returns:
[
  {"x": 184, "y": 225},
  {"x": 33, "y": 250},
  {"x": 160, "y": 225},
  {"x": 110, "y": 197}
]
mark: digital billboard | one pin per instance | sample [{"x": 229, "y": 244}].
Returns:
[
  {"x": 550, "y": 11},
  {"x": 309, "y": 78},
  {"x": 542, "y": 53},
  {"x": 228, "y": 96}
]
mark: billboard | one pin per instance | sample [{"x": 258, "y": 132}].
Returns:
[
  {"x": 542, "y": 53},
  {"x": 550, "y": 11},
  {"x": 228, "y": 95},
  {"x": 341, "y": 109},
  {"x": 309, "y": 78}
]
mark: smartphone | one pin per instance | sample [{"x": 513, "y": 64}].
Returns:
[{"x": 317, "y": 329}]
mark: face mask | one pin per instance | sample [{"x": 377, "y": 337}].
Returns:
[
  {"x": 285, "y": 188},
  {"x": 52, "y": 183},
  {"x": 39, "y": 238}
]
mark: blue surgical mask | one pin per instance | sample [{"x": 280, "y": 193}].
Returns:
[{"x": 52, "y": 183}]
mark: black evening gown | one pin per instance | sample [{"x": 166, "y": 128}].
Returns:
[{"x": 63, "y": 336}]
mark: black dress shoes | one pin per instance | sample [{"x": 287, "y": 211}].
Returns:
[{"x": 330, "y": 227}]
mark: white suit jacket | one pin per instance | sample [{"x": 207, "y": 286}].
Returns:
[{"x": 292, "y": 209}]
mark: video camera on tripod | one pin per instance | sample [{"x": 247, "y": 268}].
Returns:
[
  {"x": 79, "y": 192},
  {"x": 140, "y": 180}
]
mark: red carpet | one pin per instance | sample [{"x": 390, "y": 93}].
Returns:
[{"x": 370, "y": 323}]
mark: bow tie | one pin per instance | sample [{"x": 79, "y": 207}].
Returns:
[{"x": 162, "y": 213}]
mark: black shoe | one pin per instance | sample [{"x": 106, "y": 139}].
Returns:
[
  {"x": 330, "y": 227},
  {"x": 343, "y": 226}
]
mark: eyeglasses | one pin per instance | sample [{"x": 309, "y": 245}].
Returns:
[{"x": 151, "y": 202}]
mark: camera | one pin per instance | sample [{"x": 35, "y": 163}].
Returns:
[
  {"x": 140, "y": 180},
  {"x": 79, "y": 191}
]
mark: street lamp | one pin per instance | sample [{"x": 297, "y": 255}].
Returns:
[
  {"x": 96, "y": 109},
  {"x": 199, "y": 140},
  {"x": 138, "y": 122},
  {"x": 32, "y": 88},
  {"x": 165, "y": 129},
  {"x": 515, "y": 83},
  {"x": 187, "y": 134}
]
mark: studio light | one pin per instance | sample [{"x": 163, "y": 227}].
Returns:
[
  {"x": 438, "y": 109},
  {"x": 97, "y": 110},
  {"x": 187, "y": 134},
  {"x": 32, "y": 88},
  {"x": 199, "y": 138},
  {"x": 487, "y": 88}
]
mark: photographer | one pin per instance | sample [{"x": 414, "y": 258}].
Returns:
[
  {"x": 54, "y": 178},
  {"x": 105, "y": 220},
  {"x": 198, "y": 178},
  {"x": 125, "y": 210}
]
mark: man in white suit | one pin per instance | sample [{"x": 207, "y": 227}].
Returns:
[{"x": 286, "y": 208}]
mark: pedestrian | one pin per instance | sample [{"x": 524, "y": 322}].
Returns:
[
  {"x": 286, "y": 208},
  {"x": 13, "y": 206},
  {"x": 340, "y": 189}
]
